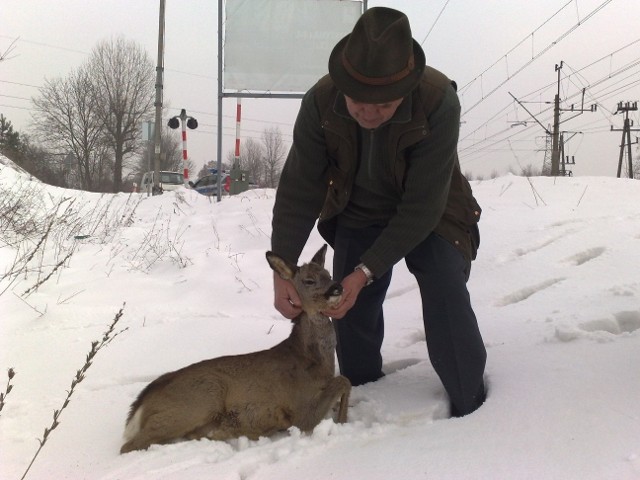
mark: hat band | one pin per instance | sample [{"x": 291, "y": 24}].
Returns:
[{"x": 379, "y": 81}]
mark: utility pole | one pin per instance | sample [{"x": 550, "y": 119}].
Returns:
[
  {"x": 158, "y": 103},
  {"x": 564, "y": 159},
  {"x": 557, "y": 143},
  {"x": 555, "y": 150},
  {"x": 626, "y": 135}
]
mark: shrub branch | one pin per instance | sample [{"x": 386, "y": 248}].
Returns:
[
  {"x": 96, "y": 346},
  {"x": 10, "y": 373}
]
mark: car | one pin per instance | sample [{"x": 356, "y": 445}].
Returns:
[
  {"x": 168, "y": 181},
  {"x": 208, "y": 185}
]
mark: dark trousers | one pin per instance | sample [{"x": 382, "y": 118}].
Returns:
[{"x": 455, "y": 346}]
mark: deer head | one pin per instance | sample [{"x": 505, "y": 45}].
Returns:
[{"x": 312, "y": 281}]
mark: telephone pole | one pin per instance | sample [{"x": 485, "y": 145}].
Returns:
[
  {"x": 626, "y": 135},
  {"x": 158, "y": 103},
  {"x": 564, "y": 159},
  {"x": 557, "y": 143}
]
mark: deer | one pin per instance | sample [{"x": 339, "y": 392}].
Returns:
[{"x": 292, "y": 384}]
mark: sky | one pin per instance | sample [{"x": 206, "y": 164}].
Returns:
[
  {"x": 555, "y": 288},
  {"x": 490, "y": 48}
]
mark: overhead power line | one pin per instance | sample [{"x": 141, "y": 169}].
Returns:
[
  {"x": 593, "y": 84},
  {"x": 534, "y": 56},
  {"x": 609, "y": 86},
  {"x": 512, "y": 49},
  {"x": 434, "y": 23}
]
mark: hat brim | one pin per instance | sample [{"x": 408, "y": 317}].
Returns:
[{"x": 362, "y": 92}]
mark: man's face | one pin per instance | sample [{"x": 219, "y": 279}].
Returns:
[{"x": 371, "y": 115}]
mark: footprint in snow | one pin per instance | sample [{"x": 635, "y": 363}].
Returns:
[
  {"x": 524, "y": 293},
  {"x": 602, "y": 329},
  {"x": 585, "y": 256}
]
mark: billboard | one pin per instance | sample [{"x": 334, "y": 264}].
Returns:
[{"x": 282, "y": 45}]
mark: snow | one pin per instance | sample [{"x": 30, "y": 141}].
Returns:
[{"x": 555, "y": 287}]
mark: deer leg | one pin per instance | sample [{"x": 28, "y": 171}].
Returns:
[
  {"x": 337, "y": 388},
  {"x": 344, "y": 406}
]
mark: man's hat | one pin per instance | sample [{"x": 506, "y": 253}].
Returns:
[{"x": 378, "y": 61}]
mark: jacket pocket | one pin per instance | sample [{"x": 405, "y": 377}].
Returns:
[{"x": 335, "y": 200}]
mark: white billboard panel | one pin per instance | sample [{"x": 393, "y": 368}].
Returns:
[{"x": 282, "y": 45}]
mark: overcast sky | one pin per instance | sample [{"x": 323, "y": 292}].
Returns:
[{"x": 489, "y": 47}]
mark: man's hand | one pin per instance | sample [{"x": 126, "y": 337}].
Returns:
[
  {"x": 351, "y": 286},
  {"x": 286, "y": 299}
]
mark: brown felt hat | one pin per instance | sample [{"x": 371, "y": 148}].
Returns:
[{"x": 379, "y": 61}]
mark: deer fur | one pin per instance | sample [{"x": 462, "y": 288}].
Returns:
[{"x": 255, "y": 394}]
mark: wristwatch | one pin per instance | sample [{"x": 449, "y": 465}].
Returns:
[{"x": 368, "y": 273}]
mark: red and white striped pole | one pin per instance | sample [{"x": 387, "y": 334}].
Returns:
[
  {"x": 236, "y": 161},
  {"x": 238, "y": 115},
  {"x": 186, "y": 121},
  {"x": 185, "y": 170}
]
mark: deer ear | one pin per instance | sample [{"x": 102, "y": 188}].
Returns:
[
  {"x": 318, "y": 258},
  {"x": 281, "y": 266}
]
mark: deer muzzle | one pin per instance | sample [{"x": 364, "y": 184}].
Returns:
[{"x": 333, "y": 293}]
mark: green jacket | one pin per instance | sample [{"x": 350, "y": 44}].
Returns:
[{"x": 420, "y": 157}]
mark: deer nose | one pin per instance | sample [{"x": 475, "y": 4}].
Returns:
[{"x": 334, "y": 290}]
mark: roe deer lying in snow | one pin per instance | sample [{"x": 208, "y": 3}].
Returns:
[{"x": 255, "y": 394}]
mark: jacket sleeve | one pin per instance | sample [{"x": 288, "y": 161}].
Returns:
[
  {"x": 303, "y": 184},
  {"x": 426, "y": 188}
]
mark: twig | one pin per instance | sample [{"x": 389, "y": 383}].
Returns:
[
  {"x": 505, "y": 188},
  {"x": 255, "y": 223},
  {"x": 10, "y": 373},
  {"x": 536, "y": 195},
  {"x": 69, "y": 297},
  {"x": 235, "y": 258},
  {"x": 29, "y": 305},
  {"x": 216, "y": 235},
  {"x": 243, "y": 284},
  {"x": 585, "y": 191},
  {"x": 55, "y": 268},
  {"x": 107, "y": 337}
]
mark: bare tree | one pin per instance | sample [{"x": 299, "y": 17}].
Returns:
[
  {"x": 67, "y": 121},
  {"x": 122, "y": 75},
  {"x": 274, "y": 155},
  {"x": 38, "y": 162},
  {"x": 252, "y": 160},
  {"x": 171, "y": 158}
]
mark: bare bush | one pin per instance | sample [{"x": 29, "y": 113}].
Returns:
[
  {"x": 96, "y": 346},
  {"x": 43, "y": 231},
  {"x": 157, "y": 245}
]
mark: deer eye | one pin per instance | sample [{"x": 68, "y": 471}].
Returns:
[{"x": 308, "y": 282}]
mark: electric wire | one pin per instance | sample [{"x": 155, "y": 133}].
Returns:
[
  {"x": 434, "y": 23},
  {"x": 534, "y": 57},
  {"x": 489, "y": 142},
  {"x": 593, "y": 84}
]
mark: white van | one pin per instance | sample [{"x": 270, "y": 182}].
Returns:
[{"x": 168, "y": 181}]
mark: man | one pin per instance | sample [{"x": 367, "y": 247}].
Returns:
[{"x": 374, "y": 161}]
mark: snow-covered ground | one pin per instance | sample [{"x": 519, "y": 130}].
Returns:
[{"x": 556, "y": 289}]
